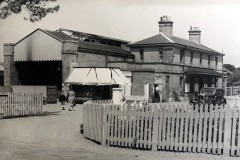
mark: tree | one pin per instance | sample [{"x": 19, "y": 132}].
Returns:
[
  {"x": 37, "y": 8},
  {"x": 229, "y": 67}
]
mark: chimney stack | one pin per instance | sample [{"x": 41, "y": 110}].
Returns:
[
  {"x": 166, "y": 25},
  {"x": 195, "y": 34}
]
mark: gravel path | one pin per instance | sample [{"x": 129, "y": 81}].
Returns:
[{"x": 55, "y": 135}]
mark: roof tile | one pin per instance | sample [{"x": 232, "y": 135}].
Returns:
[{"x": 165, "y": 39}]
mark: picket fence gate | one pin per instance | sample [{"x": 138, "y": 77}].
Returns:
[
  {"x": 92, "y": 118},
  {"x": 20, "y": 104},
  {"x": 184, "y": 128}
]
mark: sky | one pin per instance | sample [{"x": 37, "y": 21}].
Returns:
[{"x": 134, "y": 20}]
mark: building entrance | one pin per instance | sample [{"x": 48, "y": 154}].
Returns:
[{"x": 40, "y": 73}]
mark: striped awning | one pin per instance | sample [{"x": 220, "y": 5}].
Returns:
[{"x": 97, "y": 76}]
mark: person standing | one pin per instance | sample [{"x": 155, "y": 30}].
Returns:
[
  {"x": 71, "y": 99},
  {"x": 62, "y": 99}
]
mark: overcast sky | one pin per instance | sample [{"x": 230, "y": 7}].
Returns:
[{"x": 134, "y": 20}]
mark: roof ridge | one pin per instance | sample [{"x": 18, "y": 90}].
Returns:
[
  {"x": 167, "y": 37},
  {"x": 104, "y": 37},
  {"x": 187, "y": 40},
  {"x": 150, "y": 37}
]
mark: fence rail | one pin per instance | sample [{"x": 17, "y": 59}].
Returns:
[
  {"x": 203, "y": 129},
  {"x": 20, "y": 104}
]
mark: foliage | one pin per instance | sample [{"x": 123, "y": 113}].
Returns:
[
  {"x": 235, "y": 78},
  {"x": 229, "y": 67},
  {"x": 36, "y": 8}
]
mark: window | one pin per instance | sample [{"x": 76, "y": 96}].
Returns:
[
  {"x": 141, "y": 55},
  {"x": 181, "y": 80},
  {"x": 167, "y": 79},
  {"x": 200, "y": 58},
  {"x": 181, "y": 55},
  {"x": 161, "y": 54},
  {"x": 191, "y": 60},
  {"x": 196, "y": 87},
  {"x": 209, "y": 60},
  {"x": 187, "y": 87},
  {"x": 216, "y": 61}
]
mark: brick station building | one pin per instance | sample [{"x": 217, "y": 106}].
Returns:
[{"x": 166, "y": 64}]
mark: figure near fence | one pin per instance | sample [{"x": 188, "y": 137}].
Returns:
[
  {"x": 71, "y": 99},
  {"x": 62, "y": 100}
]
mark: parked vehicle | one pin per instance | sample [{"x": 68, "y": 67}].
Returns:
[{"x": 209, "y": 96}]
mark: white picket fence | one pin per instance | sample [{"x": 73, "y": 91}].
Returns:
[
  {"x": 92, "y": 118},
  {"x": 20, "y": 104},
  {"x": 212, "y": 130}
]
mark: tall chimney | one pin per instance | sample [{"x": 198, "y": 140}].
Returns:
[
  {"x": 166, "y": 25},
  {"x": 195, "y": 34}
]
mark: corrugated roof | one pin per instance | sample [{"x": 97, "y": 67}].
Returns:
[
  {"x": 60, "y": 35},
  {"x": 166, "y": 39},
  {"x": 89, "y": 45},
  {"x": 102, "y": 47},
  {"x": 94, "y": 35}
]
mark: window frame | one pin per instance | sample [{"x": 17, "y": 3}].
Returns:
[
  {"x": 209, "y": 60},
  {"x": 160, "y": 51},
  {"x": 141, "y": 53},
  {"x": 191, "y": 58},
  {"x": 216, "y": 61},
  {"x": 201, "y": 58},
  {"x": 181, "y": 55}
]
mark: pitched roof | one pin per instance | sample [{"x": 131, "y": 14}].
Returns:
[
  {"x": 59, "y": 35},
  {"x": 102, "y": 47},
  {"x": 94, "y": 35},
  {"x": 89, "y": 45},
  {"x": 162, "y": 38}
]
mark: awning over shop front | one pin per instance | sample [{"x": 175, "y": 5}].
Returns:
[
  {"x": 97, "y": 76},
  {"x": 199, "y": 71}
]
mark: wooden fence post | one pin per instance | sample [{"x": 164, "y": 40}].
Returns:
[
  {"x": 104, "y": 125},
  {"x": 227, "y": 130},
  {"x": 155, "y": 127}
]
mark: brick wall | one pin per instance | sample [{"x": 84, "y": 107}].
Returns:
[
  {"x": 90, "y": 59},
  {"x": 69, "y": 55},
  {"x": 174, "y": 85},
  {"x": 139, "y": 79},
  {"x": 172, "y": 56},
  {"x": 10, "y": 71}
]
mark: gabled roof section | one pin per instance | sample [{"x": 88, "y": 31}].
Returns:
[
  {"x": 157, "y": 39},
  {"x": 60, "y": 35},
  {"x": 103, "y": 48},
  {"x": 162, "y": 38},
  {"x": 94, "y": 35},
  {"x": 57, "y": 35}
]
